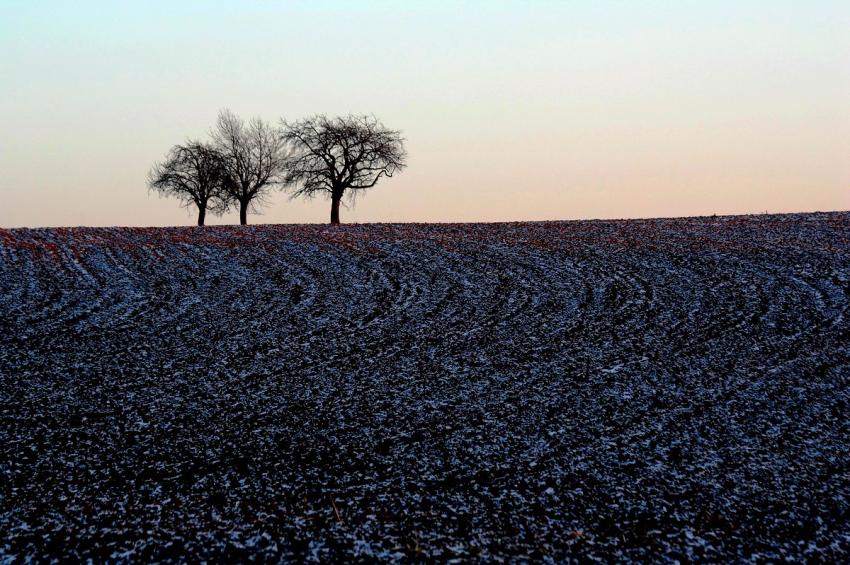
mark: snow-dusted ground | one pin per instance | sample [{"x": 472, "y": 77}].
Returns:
[{"x": 652, "y": 389}]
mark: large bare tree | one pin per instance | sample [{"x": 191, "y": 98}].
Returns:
[
  {"x": 254, "y": 159},
  {"x": 194, "y": 173},
  {"x": 339, "y": 156}
]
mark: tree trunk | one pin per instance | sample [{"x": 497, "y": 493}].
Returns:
[
  {"x": 335, "y": 209},
  {"x": 243, "y": 212},
  {"x": 202, "y": 214}
]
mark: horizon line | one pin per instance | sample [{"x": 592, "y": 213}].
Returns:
[{"x": 440, "y": 222}]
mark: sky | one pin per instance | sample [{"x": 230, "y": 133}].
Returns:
[{"x": 525, "y": 110}]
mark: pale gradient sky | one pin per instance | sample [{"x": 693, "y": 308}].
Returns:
[{"x": 521, "y": 110}]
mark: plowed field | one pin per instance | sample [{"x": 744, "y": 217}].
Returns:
[{"x": 644, "y": 389}]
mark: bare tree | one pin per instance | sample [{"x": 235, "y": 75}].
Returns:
[
  {"x": 194, "y": 174},
  {"x": 254, "y": 158},
  {"x": 335, "y": 156}
]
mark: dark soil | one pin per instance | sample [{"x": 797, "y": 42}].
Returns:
[{"x": 635, "y": 390}]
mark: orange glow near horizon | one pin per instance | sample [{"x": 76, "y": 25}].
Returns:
[{"x": 514, "y": 112}]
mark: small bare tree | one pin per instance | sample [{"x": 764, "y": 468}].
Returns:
[
  {"x": 254, "y": 158},
  {"x": 338, "y": 156},
  {"x": 193, "y": 173}
]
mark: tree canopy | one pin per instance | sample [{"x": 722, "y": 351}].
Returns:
[
  {"x": 254, "y": 157},
  {"x": 341, "y": 155},
  {"x": 193, "y": 173}
]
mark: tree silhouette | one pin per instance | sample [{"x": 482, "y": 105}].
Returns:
[
  {"x": 194, "y": 173},
  {"x": 340, "y": 155},
  {"x": 254, "y": 158}
]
